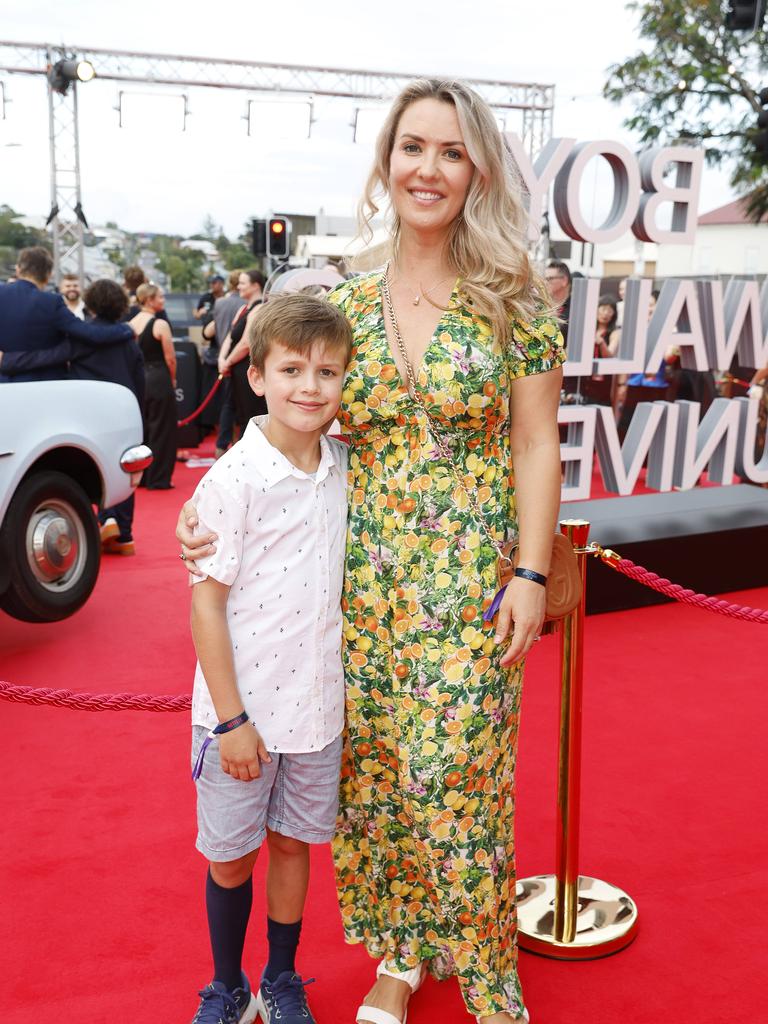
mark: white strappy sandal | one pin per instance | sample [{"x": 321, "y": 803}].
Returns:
[{"x": 412, "y": 978}]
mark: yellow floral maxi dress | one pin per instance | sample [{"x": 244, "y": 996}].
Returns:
[{"x": 424, "y": 851}]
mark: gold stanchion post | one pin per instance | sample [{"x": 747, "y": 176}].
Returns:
[{"x": 566, "y": 915}]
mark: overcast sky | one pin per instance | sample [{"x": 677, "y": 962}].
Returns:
[{"x": 149, "y": 175}]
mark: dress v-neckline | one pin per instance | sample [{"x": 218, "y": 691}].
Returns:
[{"x": 430, "y": 344}]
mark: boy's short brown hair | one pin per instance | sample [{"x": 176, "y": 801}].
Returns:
[{"x": 298, "y": 322}]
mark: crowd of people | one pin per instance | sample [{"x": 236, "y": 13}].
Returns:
[{"x": 121, "y": 334}]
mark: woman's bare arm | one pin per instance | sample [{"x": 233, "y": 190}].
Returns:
[{"x": 535, "y": 445}]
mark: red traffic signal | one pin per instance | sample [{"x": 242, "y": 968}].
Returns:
[{"x": 278, "y": 240}]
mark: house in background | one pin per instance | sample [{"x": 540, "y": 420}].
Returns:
[{"x": 727, "y": 242}]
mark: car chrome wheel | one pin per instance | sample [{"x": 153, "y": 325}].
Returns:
[{"x": 55, "y": 545}]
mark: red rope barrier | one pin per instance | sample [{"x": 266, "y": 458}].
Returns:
[
  {"x": 206, "y": 400},
  {"x": 94, "y": 701},
  {"x": 678, "y": 593},
  {"x": 182, "y": 701}
]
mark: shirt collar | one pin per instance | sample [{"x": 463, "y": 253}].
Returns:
[{"x": 273, "y": 465}]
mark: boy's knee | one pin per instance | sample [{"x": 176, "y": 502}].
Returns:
[
  {"x": 231, "y": 873},
  {"x": 285, "y": 846}
]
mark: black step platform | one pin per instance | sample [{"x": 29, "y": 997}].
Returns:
[{"x": 710, "y": 539}]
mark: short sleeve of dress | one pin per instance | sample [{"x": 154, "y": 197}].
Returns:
[
  {"x": 535, "y": 347},
  {"x": 220, "y": 512},
  {"x": 341, "y": 295}
]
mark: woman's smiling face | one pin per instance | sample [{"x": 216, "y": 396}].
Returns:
[{"x": 429, "y": 168}]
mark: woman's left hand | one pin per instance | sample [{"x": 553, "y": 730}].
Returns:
[{"x": 521, "y": 617}]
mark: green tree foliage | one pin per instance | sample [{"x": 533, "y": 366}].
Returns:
[
  {"x": 118, "y": 258},
  {"x": 16, "y": 235},
  {"x": 238, "y": 257},
  {"x": 183, "y": 267},
  {"x": 13, "y": 237},
  {"x": 694, "y": 82}
]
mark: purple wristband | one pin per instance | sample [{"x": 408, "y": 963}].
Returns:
[
  {"x": 233, "y": 723},
  {"x": 221, "y": 728}
]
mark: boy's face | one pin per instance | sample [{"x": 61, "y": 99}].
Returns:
[{"x": 303, "y": 390}]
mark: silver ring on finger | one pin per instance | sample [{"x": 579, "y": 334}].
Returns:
[{"x": 182, "y": 556}]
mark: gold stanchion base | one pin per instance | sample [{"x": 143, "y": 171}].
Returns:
[{"x": 606, "y": 919}]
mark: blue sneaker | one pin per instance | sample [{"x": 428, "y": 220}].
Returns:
[
  {"x": 284, "y": 1000},
  {"x": 220, "y": 1006}
]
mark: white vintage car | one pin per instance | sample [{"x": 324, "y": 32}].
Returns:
[{"x": 65, "y": 447}]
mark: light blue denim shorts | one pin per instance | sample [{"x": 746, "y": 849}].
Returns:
[{"x": 297, "y": 795}]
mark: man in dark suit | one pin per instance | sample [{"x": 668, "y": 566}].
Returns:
[{"x": 36, "y": 328}]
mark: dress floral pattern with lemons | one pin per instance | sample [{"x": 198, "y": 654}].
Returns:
[{"x": 424, "y": 851}]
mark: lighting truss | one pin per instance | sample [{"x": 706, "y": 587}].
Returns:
[{"x": 534, "y": 100}]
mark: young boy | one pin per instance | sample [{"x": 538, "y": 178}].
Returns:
[{"x": 268, "y": 701}]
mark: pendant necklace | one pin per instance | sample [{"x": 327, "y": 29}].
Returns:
[{"x": 425, "y": 291}]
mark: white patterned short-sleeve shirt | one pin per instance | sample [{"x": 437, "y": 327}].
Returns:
[{"x": 281, "y": 552}]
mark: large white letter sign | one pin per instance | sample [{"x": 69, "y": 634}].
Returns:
[
  {"x": 676, "y": 323},
  {"x": 713, "y": 441},
  {"x": 577, "y": 453},
  {"x": 684, "y": 195},
  {"x": 747, "y": 465},
  {"x": 652, "y": 432},
  {"x": 626, "y": 192},
  {"x": 743, "y": 327},
  {"x": 585, "y": 298},
  {"x": 538, "y": 176}
]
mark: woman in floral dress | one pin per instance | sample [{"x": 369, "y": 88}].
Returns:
[{"x": 425, "y": 846}]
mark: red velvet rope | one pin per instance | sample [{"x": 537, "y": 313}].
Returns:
[
  {"x": 95, "y": 701},
  {"x": 682, "y": 594},
  {"x": 206, "y": 400},
  {"x": 182, "y": 701}
]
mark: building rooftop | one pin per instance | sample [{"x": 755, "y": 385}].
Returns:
[{"x": 731, "y": 213}]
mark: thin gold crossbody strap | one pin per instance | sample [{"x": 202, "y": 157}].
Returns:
[{"x": 438, "y": 438}]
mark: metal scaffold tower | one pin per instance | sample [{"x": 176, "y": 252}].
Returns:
[
  {"x": 61, "y": 65},
  {"x": 66, "y": 217}
]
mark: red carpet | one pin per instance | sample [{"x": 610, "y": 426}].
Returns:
[{"x": 102, "y": 889}]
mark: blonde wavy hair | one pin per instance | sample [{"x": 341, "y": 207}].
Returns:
[{"x": 488, "y": 243}]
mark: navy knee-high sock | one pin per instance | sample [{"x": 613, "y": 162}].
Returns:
[
  {"x": 283, "y": 942},
  {"x": 228, "y": 913}
]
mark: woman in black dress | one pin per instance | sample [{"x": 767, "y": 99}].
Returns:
[
  {"x": 234, "y": 356},
  {"x": 156, "y": 344}
]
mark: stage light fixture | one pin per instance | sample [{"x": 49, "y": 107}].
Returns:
[{"x": 64, "y": 72}]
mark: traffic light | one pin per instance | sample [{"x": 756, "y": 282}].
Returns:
[
  {"x": 278, "y": 238},
  {"x": 259, "y": 237},
  {"x": 745, "y": 15},
  {"x": 761, "y": 138}
]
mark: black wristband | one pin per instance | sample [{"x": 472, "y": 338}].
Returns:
[
  {"x": 233, "y": 723},
  {"x": 529, "y": 574}
]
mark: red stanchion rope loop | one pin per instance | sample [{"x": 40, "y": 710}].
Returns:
[
  {"x": 206, "y": 400},
  {"x": 678, "y": 593},
  {"x": 95, "y": 701}
]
